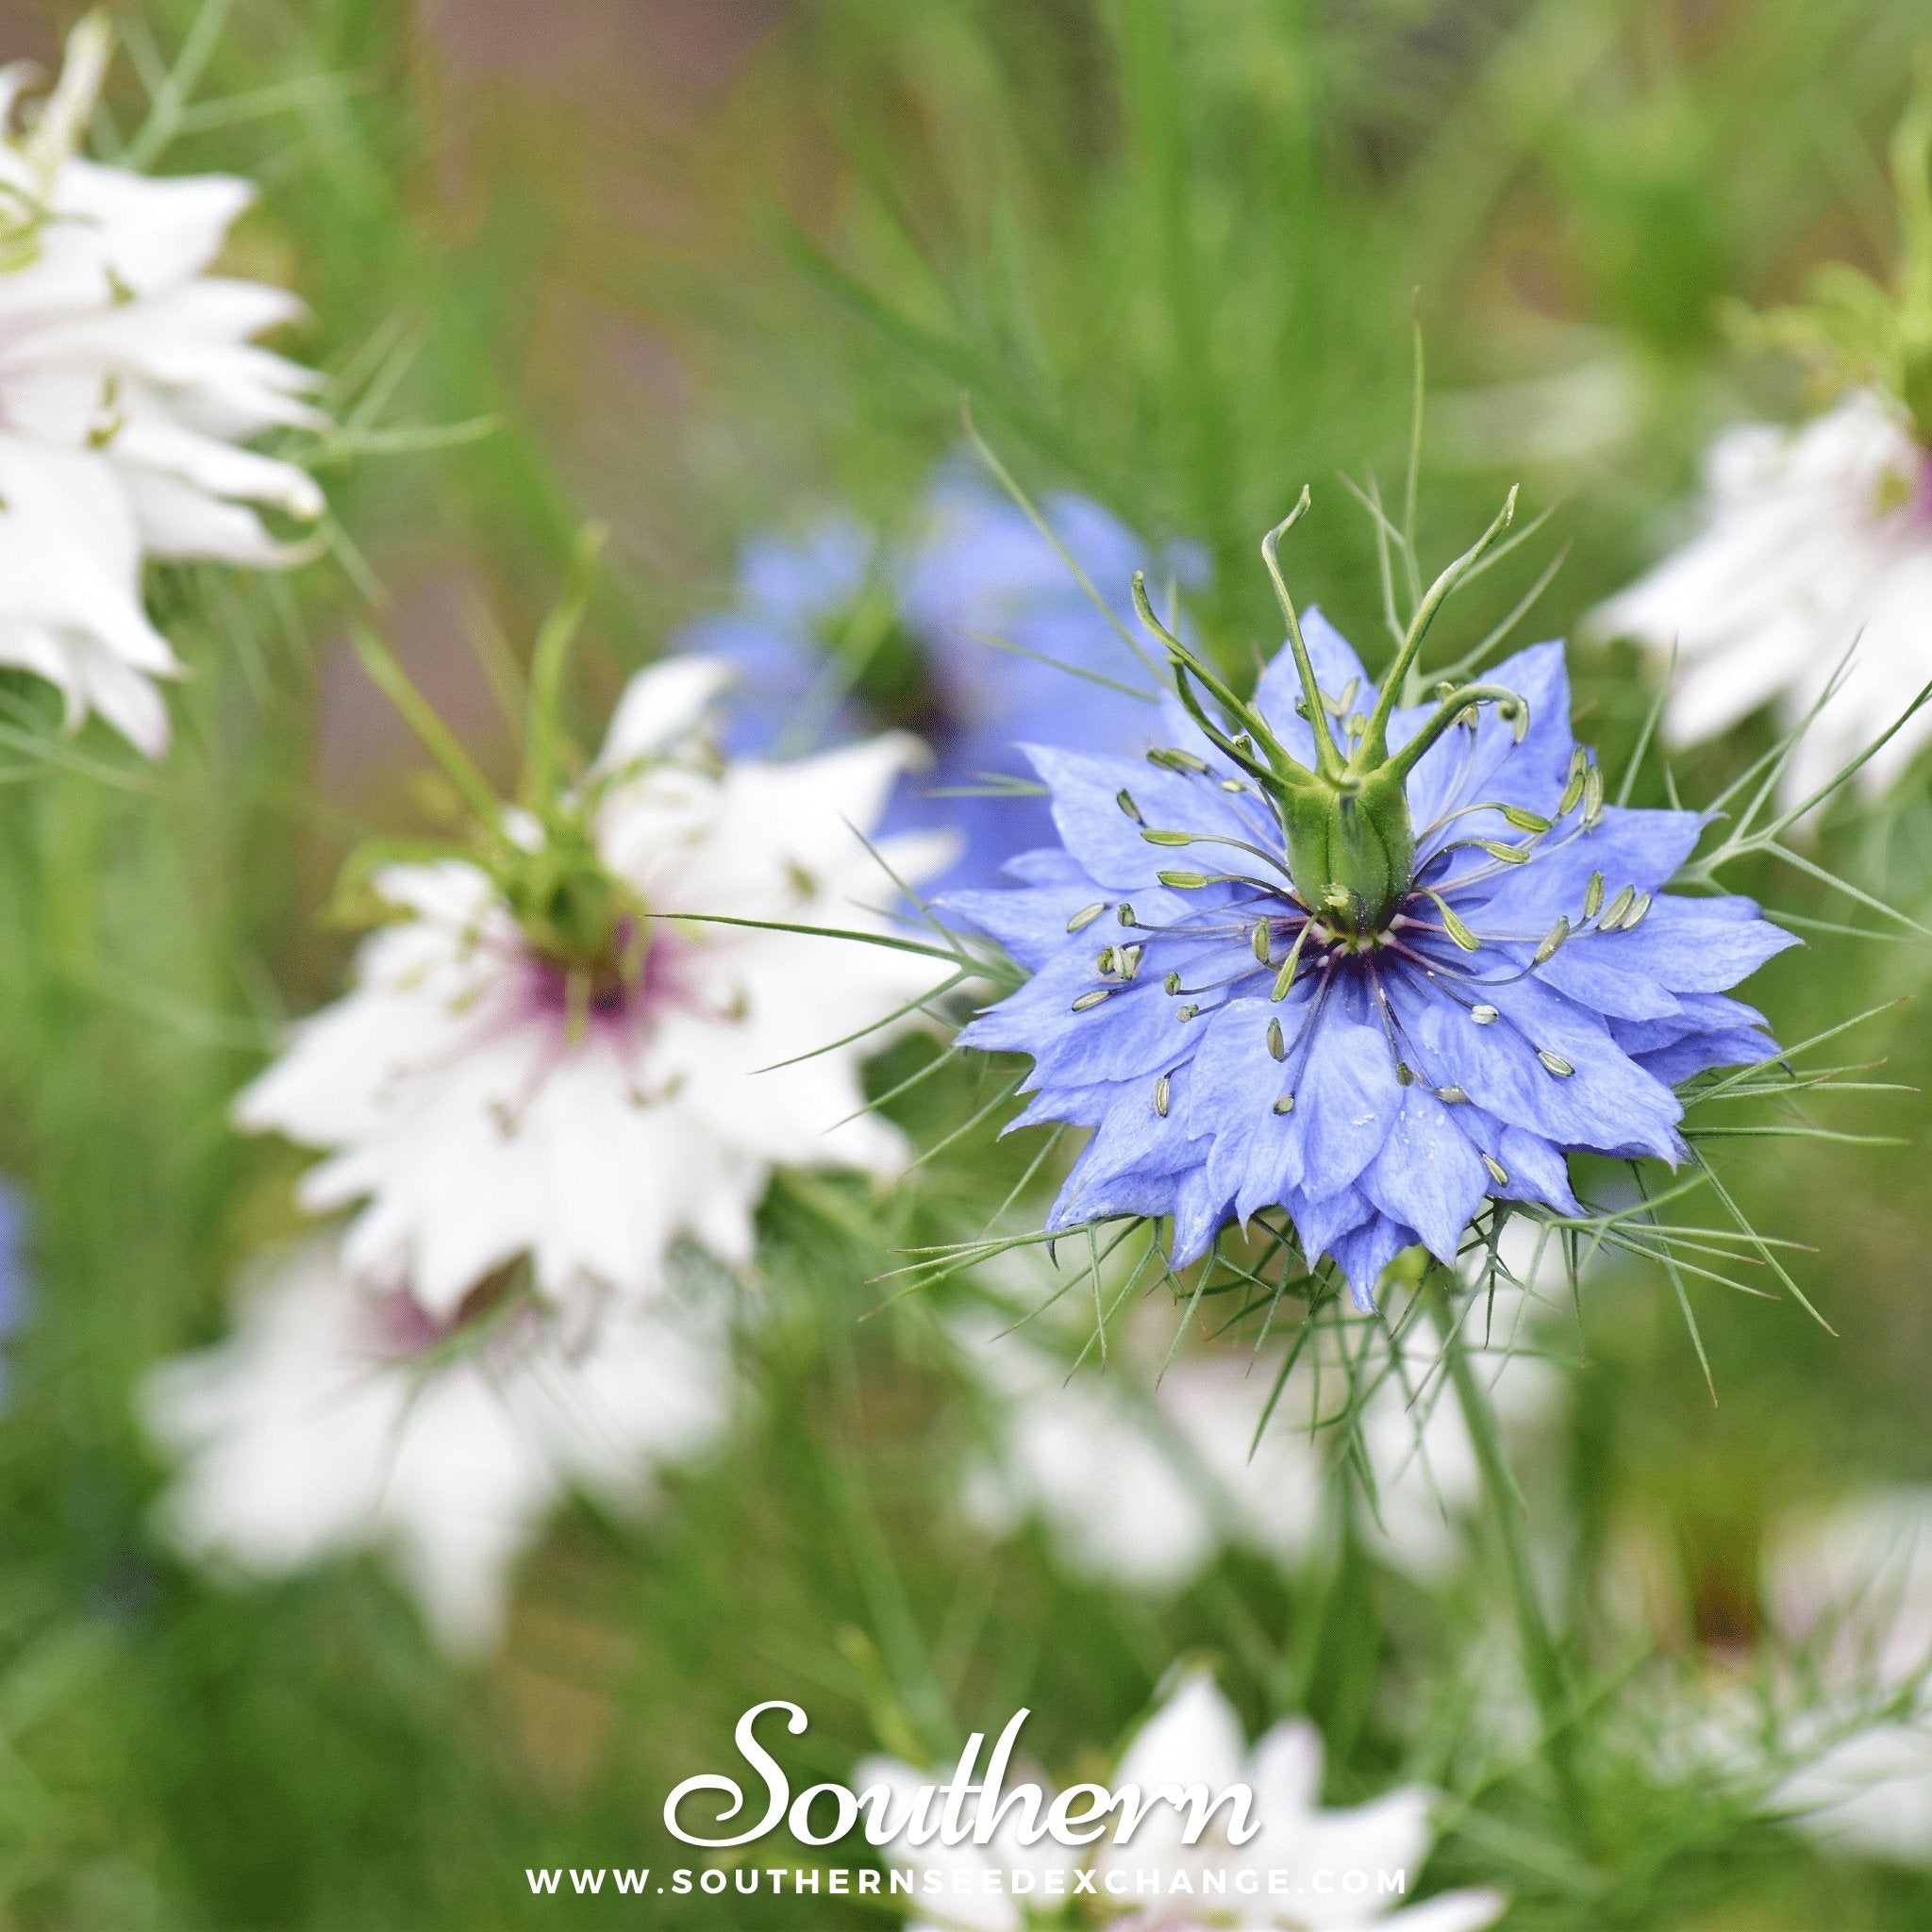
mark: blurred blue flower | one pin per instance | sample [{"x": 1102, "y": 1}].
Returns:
[
  {"x": 1533, "y": 990},
  {"x": 973, "y": 635}
]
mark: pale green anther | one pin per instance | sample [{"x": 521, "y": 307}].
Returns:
[
  {"x": 1126, "y": 915},
  {"x": 1572, "y": 789},
  {"x": 1110, "y": 962},
  {"x": 1277, "y": 1046},
  {"x": 1129, "y": 957},
  {"x": 1088, "y": 914},
  {"x": 1615, "y": 911},
  {"x": 1261, "y": 939},
  {"x": 1453, "y": 925},
  {"x": 1168, "y": 838},
  {"x": 1163, "y": 1089},
  {"x": 1232, "y": 785},
  {"x": 1509, "y": 855},
  {"x": 1405, "y": 1073},
  {"x": 1594, "y": 895},
  {"x": 1186, "y": 1013},
  {"x": 1184, "y": 881},
  {"x": 1285, "y": 1103},
  {"x": 1176, "y": 760},
  {"x": 1498, "y": 1173},
  {"x": 1552, "y": 939},
  {"x": 1171, "y": 984},
  {"x": 1285, "y": 978},
  {"x": 1124, "y": 799},
  {"x": 1355, "y": 724},
  {"x": 1453, "y": 1096},
  {"x": 1525, "y": 820},
  {"x": 1088, "y": 1001},
  {"x": 1555, "y": 1063},
  {"x": 1633, "y": 918},
  {"x": 1485, "y": 1015},
  {"x": 1592, "y": 794}
]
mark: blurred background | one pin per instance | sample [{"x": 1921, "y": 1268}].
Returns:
[{"x": 708, "y": 269}]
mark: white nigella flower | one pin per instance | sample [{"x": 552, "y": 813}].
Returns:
[
  {"x": 1140, "y": 1477},
  {"x": 128, "y": 382},
  {"x": 1816, "y": 543},
  {"x": 540, "y": 1058},
  {"x": 1301, "y": 1869},
  {"x": 321, "y": 1427}
]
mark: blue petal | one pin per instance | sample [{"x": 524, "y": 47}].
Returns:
[
  {"x": 1639, "y": 849},
  {"x": 1428, "y": 1174},
  {"x": 1347, "y": 1085},
  {"x": 1700, "y": 945},
  {"x": 1365, "y": 1251}
]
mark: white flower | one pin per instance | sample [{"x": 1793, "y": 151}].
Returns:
[
  {"x": 127, "y": 382},
  {"x": 1339, "y": 1868},
  {"x": 1855, "y": 1589},
  {"x": 309, "y": 1433},
  {"x": 482, "y": 1118},
  {"x": 1140, "y": 1477},
  {"x": 1816, "y": 543}
]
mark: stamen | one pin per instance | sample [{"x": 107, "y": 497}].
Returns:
[
  {"x": 1088, "y": 1001},
  {"x": 1184, "y": 881},
  {"x": 1129, "y": 957},
  {"x": 1552, "y": 940},
  {"x": 1555, "y": 1062},
  {"x": 1593, "y": 795},
  {"x": 1088, "y": 914},
  {"x": 1485, "y": 1015},
  {"x": 1572, "y": 789},
  {"x": 1126, "y": 915},
  {"x": 1171, "y": 984},
  {"x": 1405, "y": 1073},
  {"x": 1186, "y": 1013},
  {"x": 1109, "y": 962},
  {"x": 1525, "y": 820},
  {"x": 1168, "y": 838},
  {"x": 1634, "y": 917},
  {"x": 1277, "y": 1046},
  {"x": 1262, "y": 941},
  {"x": 1285, "y": 1103},
  {"x": 1454, "y": 926},
  {"x": 1618, "y": 906},
  {"x": 1176, "y": 760},
  {"x": 1233, "y": 785},
  {"x": 1163, "y": 1088},
  {"x": 1285, "y": 978},
  {"x": 1124, "y": 799},
  {"x": 1509, "y": 855},
  {"x": 1453, "y": 1095},
  {"x": 1593, "y": 896},
  {"x": 1498, "y": 1174}
]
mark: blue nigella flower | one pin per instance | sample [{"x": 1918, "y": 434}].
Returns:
[
  {"x": 973, "y": 635},
  {"x": 1422, "y": 959}
]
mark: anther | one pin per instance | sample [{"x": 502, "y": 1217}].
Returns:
[
  {"x": 1129, "y": 957},
  {"x": 1232, "y": 785},
  {"x": 1594, "y": 895},
  {"x": 1261, "y": 939},
  {"x": 1618, "y": 906},
  {"x": 1634, "y": 917},
  {"x": 1126, "y": 915},
  {"x": 1187, "y": 1012},
  {"x": 1277, "y": 1046},
  {"x": 1184, "y": 881},
  {"x": 1555, "y": 1063},
  {"x": 1552, "y": 940},
  {"x": 1163, "y": 1088},
  {"x": 1593, "y": 795},
  {"x": 1176, "y": 760},
  {"x": 1171, "y": 984},
  {"x": 1124, "y": 799},
  {"x": 1168, "y": 838},
  {"x": 1109, "y": 962},
  {"x": 1285, "y": 1103},
  {"x": 1453, "y": 1095},
  {"x": 1454, "y": 926},
  {"x": 1509, "y": 855},
  {"x": 1526, "y": 820},
  {"x": 1086, "y": 915},
  {"x": 1498, "y": 1173},
  {"x": 1405, "y": 1073},
  {"x": 1572, "y": 789},
  {"x": 1485, "y": 1015},
  {"x": 1090, "y": 1000}
]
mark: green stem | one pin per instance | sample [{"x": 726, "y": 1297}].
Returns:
[{"x": 1542, "y": 1663}]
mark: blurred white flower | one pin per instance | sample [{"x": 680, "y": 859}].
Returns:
[
  {"x": 1141, "y": 1478},
  {"x": 1817, "y": 542},
  {"x": 312, "y": 1432},
  {"x": 1301, "y": 1869},
  {"x": 1340, "y": 1866},
  {"x": 489, "y": 1102},
  {"x": 127, "y": 383},
  {"x": 1852, "y": 1592}
]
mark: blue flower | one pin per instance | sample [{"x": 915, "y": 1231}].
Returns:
[
  {"x": 1424, "y": 961},
  {"x": 973, "y": 635}
]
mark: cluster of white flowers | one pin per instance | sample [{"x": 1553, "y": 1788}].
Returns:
[
  {"x": 1304, "y": 1870},
  {"x": 128, "y": 383},
  {"x": 488, "y": 1122}
]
